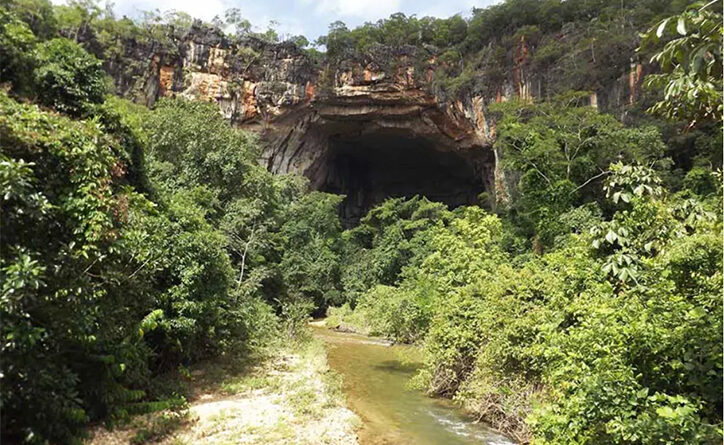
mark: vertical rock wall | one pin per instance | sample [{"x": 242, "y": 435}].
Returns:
[{"x": 299, "y": 106}]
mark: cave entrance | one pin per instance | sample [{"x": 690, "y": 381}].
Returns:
[{"x": 370, "y": 168}]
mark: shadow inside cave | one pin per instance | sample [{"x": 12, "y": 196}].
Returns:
[{"x": 370, "y": 168}]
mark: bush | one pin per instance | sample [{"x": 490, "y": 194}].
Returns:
[
  {"x": 295, "y": 316},
  {"x": 16, "y": 45},
  {"x": 103, "y": 289},
  {"x": 67, "y": 78},
  {"x": 394, "y": 313},
  {"x": 385, "y": 241},
  {"x": 72, "y": 350},
  {"x": 613, "y": 336},
  {"x": 701, "y": 181},
  {"x": 190, "y": 268},
  {"x": 311, "y": 244},
  {"x": 282, "y": 241},
  {"x": 346, "y": 319}
]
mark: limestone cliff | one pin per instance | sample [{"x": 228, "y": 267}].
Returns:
[{"x": 369, "y": 127}]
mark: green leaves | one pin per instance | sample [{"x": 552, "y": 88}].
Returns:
[
  {"x": 621, "y": 267},
  {"x": 681, "y": 26},
  {"x": 57, "y": 271},
  {"x": 150, "y": 322},
  {"x": 662, "y": 27},
  {"x": 67, "y": 77},
  {"x": 95, "y": 276},
  {"x": 628, "y": 181},
  {"x": 615, "y": 336},
  {"x": 611, "y": 236},
  {"x": 691, "y": 63},
  {"x": 563, "y": 153},
  {"x": 386, "y": 240},
  {"x": 395, "y": 31},
  {"x": 311, "y": 246}
]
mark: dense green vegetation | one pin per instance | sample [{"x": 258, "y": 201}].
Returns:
[
  {"x": 573, "y": 44},
  {"x": 590, "y": 310},
  {"x": 561, "y": 152},
  {"x": 614, "y": 336},
  {"x": 691, "y": 63},
  {"x": 136, "y": 241}
]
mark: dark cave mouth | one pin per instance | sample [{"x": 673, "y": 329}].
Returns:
[{"x": 372, "y": 168}]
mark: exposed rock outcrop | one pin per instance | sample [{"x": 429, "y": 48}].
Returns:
[{"x": 369, "y": 128}]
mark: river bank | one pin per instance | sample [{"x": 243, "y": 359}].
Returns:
[
  {"x": 289, "y": 397},
  {"x": 376, "y": 376},
  {"x": 334, "y": 388}
]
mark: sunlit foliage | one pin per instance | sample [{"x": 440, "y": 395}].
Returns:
[{"x": 691, "y": 61}]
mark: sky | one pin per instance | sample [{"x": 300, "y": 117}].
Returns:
[{"x": 310, "y": 18}]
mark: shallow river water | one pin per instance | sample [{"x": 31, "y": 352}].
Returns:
[{"x": 375, "y": 384}]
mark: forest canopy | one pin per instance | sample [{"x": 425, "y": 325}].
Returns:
[{"x": 137, "y": 241}]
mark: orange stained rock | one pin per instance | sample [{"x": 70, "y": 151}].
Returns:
[{"x": 165, "y": 80}]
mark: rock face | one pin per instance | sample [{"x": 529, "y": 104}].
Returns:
[
  {"x": 371, "y": 136},
  {"x": 351, "y": 127}
]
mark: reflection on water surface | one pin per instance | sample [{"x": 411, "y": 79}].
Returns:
[{"x": 375, "y": 383}]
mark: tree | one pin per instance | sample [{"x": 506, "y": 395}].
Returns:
[
  {"x": 385, "y": 241},
  {"x": 76, "y": 17},
  {"x": 562, "y": 151},
  {"x": 691, "y": 62},
  {"x": 67, "y": 77},
  {"x": 67, "y": 334},
  {"x": 38, "y": 14},
  {"x": 16, "y": 45},
  {"x": 233, "y": 17},
  {"x": 338, "y": 40},
  {"x": 311, "y": 245}
]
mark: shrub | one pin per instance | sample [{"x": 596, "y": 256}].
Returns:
[
  {"x": 16, "y": 46},
  {"x": 566, "y": 347},
  {"x": 346, "y": 319},
  {"x": 701, "y": 181},
  {"x": 385, "y": 241},
  {"x": 102, "y": 289},
  {"x": 67, "y": 78},
  {"x": 71, "y": 349},
  {"x": 395, "y": 313},
  {"x": 311, "y": 244}
]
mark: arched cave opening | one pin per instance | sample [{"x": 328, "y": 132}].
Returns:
[{"x": 371, "y": 167}]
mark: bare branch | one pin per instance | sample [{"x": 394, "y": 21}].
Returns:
[{"x": 593, "y": 178}]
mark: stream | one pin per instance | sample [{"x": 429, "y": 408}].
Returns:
[{"x": 375, "y": 377}]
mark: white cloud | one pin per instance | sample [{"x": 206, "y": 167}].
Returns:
[
  {"x": 205, "y": 10},
  {"x": 308, "y": 17},
  {"x": 452, "y": 7},
  {"x": 284, "y": 25},
  {"x": 359, "y": 9}
]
